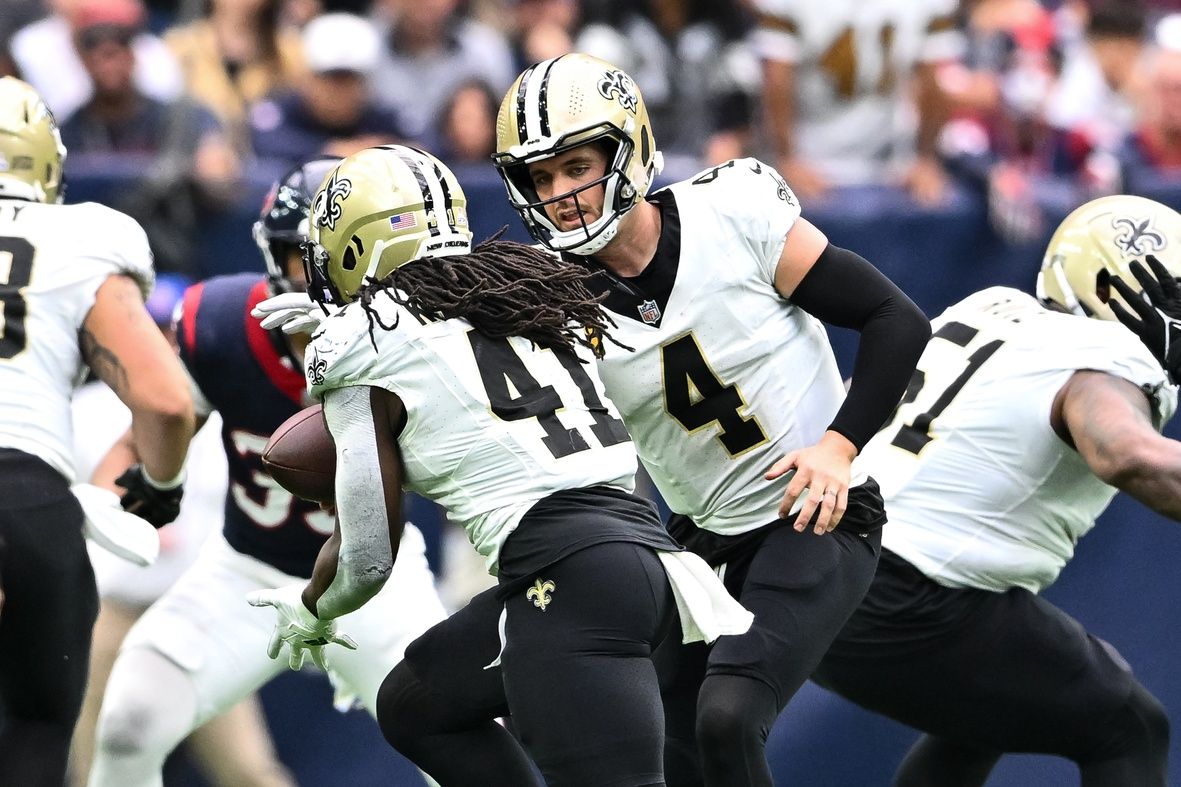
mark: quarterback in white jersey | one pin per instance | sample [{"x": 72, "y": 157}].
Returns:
[
  {"x": 467, "y": 376},
  {"x": 72, "y": 285},
  {"x": 1021, "y": 423},
  {"x": 837, "y": 86},
  {"x": 731, "y": 391}
]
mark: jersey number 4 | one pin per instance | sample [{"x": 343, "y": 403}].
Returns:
[
  {"x": 695, "y": 396},
  {"x": 500, "y": 365},
  {"x": 16, "y": 269}
]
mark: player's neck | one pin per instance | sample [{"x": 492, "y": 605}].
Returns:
[{"x": 630, "y": 251}]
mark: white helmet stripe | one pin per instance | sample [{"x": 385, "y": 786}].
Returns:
[{"x": 534, "y": 83}]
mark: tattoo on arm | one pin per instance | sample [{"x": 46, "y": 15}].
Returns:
[{"x": 104, "y": 363}]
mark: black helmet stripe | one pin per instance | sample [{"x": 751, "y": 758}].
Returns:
[
  {"x": 522, "y": 130},
  {"x": 446, "y": 192},
  {"x": 543, "y": 97},
  {"x": 428, "y": 197}
]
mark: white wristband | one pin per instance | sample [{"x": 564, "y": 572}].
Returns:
[{"x": 165, "y": 485}]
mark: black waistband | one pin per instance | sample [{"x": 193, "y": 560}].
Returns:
[{"x": 864, "y": 513}]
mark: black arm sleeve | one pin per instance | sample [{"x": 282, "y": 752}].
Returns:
[{"x": 843, "y": 289}]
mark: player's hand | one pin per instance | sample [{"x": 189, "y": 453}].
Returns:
[
  {"x": 823, "y": 472},
  {"x": 1158, "y": 312},
  {"x": 147, "y": 499},
  {"x": 303, "y": 633},
  {"x": 294, "y": 312}
]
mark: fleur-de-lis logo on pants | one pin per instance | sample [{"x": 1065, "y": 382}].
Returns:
[{"x": 540, "y": 593}]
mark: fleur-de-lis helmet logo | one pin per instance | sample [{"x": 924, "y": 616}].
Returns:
[
  {"x": 618, "y": 85},
  {"x": 540, "y": 593},
  {"x": 326, "y": 210},
  {"x": 1137, "y": 236}
]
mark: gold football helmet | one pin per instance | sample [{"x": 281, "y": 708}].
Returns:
[
  {"x": 378, "y": 210},
  {"x": 1097, "y": 242},
  {"x": 561, "y": 104},
  {"x": 31, "y": 149}
]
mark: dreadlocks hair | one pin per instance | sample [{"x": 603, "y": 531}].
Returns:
[{"x": 502, "y": 288}]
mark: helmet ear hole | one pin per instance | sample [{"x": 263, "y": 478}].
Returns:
[
  {"x": 1103, "y": 285},
  {"x": 645, "y": 146},
  {"x": 349, "y": 261}
]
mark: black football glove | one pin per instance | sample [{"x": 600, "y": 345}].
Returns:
[
  {"x": 145, "y": 500},
  {"x": 1159, "y": 323}
]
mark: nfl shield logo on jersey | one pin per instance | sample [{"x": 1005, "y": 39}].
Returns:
[{"x": 649, "y": 311}]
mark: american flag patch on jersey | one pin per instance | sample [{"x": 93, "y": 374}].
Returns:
[{"x": 403, "y": 221}]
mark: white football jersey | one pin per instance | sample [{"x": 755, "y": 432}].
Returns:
[
  {"x": 853, "y": 60},
  {"x": 980, "y": 490},
  {"x": 727, "y": 376},
  {"x": 493, "y": 425},
  {"x": 53, "y": 259}
]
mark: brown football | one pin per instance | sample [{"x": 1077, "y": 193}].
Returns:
[{"x": 301, "y": 456}]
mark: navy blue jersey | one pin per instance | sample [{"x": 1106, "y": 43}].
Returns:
[{"x": 245, "y": 374}]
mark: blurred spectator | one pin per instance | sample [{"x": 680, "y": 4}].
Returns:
[
  {"x": 331, "y": 111},
  {"x": 15, "y": 14},
  {"x": 1155, "y": 146},
  {"x": 1099, "y": 85},
  {"x": 838, "y": 83},
  {"x": 973, "y": 84},
  {"x": 690, "y": 59},
  {"x": 541, "y": 29},
  {"x": 468, "y": 133},
  {"x": 236, "y": 55},
  {"x": 45, "y": 56},
  {"x": 430, "y": 49},
  {"x": 1013, "y": 153},
  {"x": 119, "y": 118}
]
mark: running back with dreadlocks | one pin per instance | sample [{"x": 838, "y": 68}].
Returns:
[{"x": 502, "y": 288}]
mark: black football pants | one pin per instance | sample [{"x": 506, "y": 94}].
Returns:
[{"x": 49, "y": 606}]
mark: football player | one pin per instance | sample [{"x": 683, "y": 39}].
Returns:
[
  {"x": 732, "y": 393},
  {"x": 838, "y": 77},
  {"x": 1022, "y": 421},
  {"x": 73, "y": 279},
  {"x": 200, "y": 648},
  {"x": 465, "y": 375}
]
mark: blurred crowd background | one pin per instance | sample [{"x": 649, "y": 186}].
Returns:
[
  {"x": 182, "y": 110},
  {"x": 942, "y": 140}
]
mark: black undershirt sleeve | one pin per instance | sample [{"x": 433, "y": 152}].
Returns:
[{"x": 843, "y": 289}]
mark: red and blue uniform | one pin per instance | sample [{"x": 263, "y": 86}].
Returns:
[{"x": 245, "y": 374}]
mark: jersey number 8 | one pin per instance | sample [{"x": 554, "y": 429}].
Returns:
[{"x": 16, "y": 270}]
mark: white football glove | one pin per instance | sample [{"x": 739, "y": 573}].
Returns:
[
  {"x": 303, "y": 632},
  {"x": 294, "y": 312}
]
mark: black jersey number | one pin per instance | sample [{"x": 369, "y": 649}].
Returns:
[
  {"x": 16, "y": 269},
  {"x": 913, "y": 437},
  {"x": 500, "y": 365},
  {"x": 695, "y": 396}
]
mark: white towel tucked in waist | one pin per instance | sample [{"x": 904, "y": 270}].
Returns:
[{"x": 707, "y": 609}]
